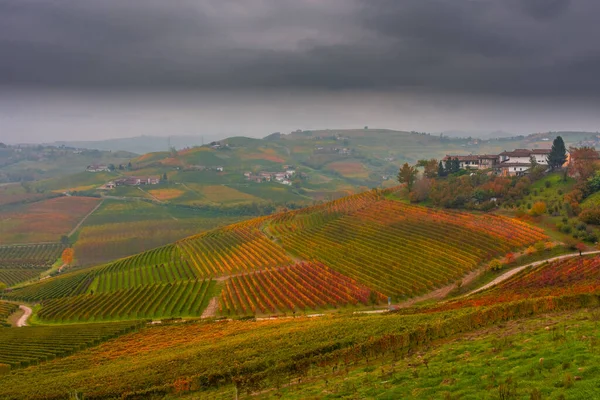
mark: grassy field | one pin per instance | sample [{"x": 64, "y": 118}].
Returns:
[
  {"x": 44, "y": 221},
  {"x": 122, "y": 228},
  {"x": 349, "y": 169},
  {"x": 76, "y": 182},
  {"x": 553, "y": 356},
  {"x": 17, "y": 193},
  {"x": 386, "y": 356}
]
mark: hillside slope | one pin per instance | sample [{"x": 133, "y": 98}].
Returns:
[
  {"x": 391, "y": 355},
  {"x": 355, "y": 251}
]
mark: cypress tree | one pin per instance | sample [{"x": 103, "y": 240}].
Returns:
[
  {"x": 441, "y": 170},
  {"x": 558, "y": 154}
]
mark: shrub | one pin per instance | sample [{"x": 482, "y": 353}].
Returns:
[
  {"x": 539, "y": 246},
  {"x": 547, "y": 184},
  {"x": 571, "y": 243},
  {"x": 566, "y": 229},
  {"x": 538, "y": 209},
  {"x": 530, "y": 250},
  {"x": 590, "y": 216},
  {"x": 509, "y": 258},
  {"x": 495, "y": 265}
]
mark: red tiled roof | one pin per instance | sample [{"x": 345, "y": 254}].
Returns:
[{"x": 462, "y": 158}]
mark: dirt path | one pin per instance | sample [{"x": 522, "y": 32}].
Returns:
[
  {"x": 26, "y": 314},
  {"x": 442, "y": 292},
  {"x": 84, "y": 218},
  {"x": 152, "y": 196},
  {"x": 211, "y": 309},
  {"x": 514, "y": 271}
]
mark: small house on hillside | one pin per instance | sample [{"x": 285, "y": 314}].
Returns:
[
  {"x": 97, "y": 168},
  {"x": 136, "y": 181},
  {"x": 484, "y": 161}
]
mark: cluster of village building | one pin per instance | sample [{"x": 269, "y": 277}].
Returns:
[
  {"x": 507, "y": 163},
  {"x": 285, "y": 177},
  {"x": 124, "y": 181}
]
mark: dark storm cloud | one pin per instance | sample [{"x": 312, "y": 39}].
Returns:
[
  {"x": 543, "y": 9},
  {"x": 489, "y": 46}
]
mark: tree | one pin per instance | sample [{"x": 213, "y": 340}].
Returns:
[
  {"x": 64, "y": 239},
  {"x": 67, "y": 256},
  {"x": 111, "y": 167},
  {"x": 455, "y": 165},
  {"x": 421, "y": 190},
  {"x": 558, "y": 154},
  {"x": 2, "y": 286},
  {"x": 164, "y": 177},
  {"x": 580, "y": 247},
  {"x": 431, "y": 168},
  {"x": 441, "y": 170},
  {"x": 452, "y": 165},
  {"x": 538, "y": 209},
  {"x": 584, "y": 162},
  {"x": 594, "y": 183},
  {"x": 129, "y": 165},
  {"x": 533, "y": 161},
  {"x": 121, "y": 167},
  {"x": 408, "y": 175}
]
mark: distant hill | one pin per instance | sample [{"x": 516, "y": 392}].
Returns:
[
  {"x": 330, "y": 163},
  {"x": 139, "y": 144}
]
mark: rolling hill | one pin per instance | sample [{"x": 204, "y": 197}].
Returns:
[
  {"x": 351, "y": 252},
  {"x": 542, "y": 344}
]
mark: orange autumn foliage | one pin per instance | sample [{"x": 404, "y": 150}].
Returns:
[{"x": 67, "y": 255}]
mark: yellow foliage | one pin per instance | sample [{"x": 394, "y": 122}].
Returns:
[{"x": 538, "y": 209}]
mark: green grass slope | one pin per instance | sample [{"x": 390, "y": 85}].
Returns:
[{"x": 541, "y": 344}]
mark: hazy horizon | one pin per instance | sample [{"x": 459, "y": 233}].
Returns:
[{"x": 116, "y": 69}]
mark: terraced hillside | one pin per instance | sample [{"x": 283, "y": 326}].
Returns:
[
  {"x": 6, "y": 309},
  {"x": 351, "y": 252},
  {"x": 33, "y": 344},
  {"x": 399, "y": 249},
  {"x": 180, "y": 299},
  {"x": 302, "y": 286},
  {"x": 282, "y": 358},
  {"x": 21, "y": 263},
  {"x": 573, "y": 278}
]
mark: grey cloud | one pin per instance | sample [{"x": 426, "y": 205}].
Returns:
[
  {"x": 544, "y": 9},
  {"x": 514, "y": 47}
]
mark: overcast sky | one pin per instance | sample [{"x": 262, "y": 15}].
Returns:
[{"x": 89, "y": 69}]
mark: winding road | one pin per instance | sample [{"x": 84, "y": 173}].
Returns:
[
  {"x": 514, "y": 271},
  {"x": 26, "y": 314}
]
